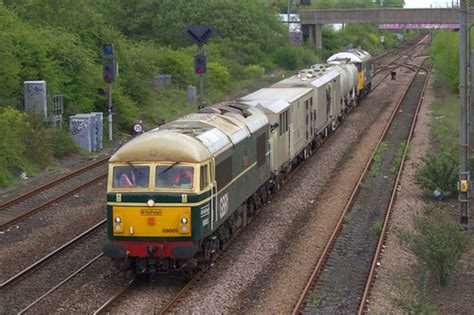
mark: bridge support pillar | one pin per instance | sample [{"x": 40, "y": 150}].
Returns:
[
  {"x": 314, "y": 35},
  {"x": 318, "y": 38}
]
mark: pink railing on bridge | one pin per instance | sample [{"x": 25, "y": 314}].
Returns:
[{"x": 419, "y": 26}]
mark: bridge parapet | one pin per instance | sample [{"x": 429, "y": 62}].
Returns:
[{"x": 312, "y": 20}]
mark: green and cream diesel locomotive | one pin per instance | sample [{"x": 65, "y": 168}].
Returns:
[
  {"x": 178, "y": 193},
  {"x": 187, "y": 188}
]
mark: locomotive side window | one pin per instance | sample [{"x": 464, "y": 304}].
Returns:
[
  {"x": 204, "y": 177},
  {"x": 131, "y": 176},
  {"x": 174, "y": 176},
  {"x": 224, "y": 173}
]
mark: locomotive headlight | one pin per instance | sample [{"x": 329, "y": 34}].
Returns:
[
  {"x": 118, "y": 220},
  {"x": 184, "y": 228},
  {"x": 150, "y": 203},
  {"x": 184, "y": 220}
]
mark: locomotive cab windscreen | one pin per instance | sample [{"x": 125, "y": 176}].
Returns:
[{"x": 164, "y": 176}]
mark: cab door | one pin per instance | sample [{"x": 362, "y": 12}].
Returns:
[{"x": 212, "y": 175}]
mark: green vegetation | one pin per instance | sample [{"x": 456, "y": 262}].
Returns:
[
  {"x": 398, "y": 157},
  {"x": 315, "y": 301},
  {"x": 59, "y": 42},
  {"x": 412, "y": 297},
  {"x": 440, "y": 166},
  {"x": 438, "y": 243},
  {"x": 445, "y": 123},
  {"x": 366, "y": 36},
  {"x": 377, "y": 227},
  {"x": 439, "y": 171},
  {"x": 377, "y": 159},
  {"x": 429, "y": 208},
  {"x": 445, "y": 53},
  {"x": 347, "y": 217},
  {"x": 26, "y": 146}
]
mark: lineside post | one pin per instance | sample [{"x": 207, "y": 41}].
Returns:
[{"x": 464, "y": 176}]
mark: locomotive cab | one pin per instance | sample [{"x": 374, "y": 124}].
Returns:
[{"x": 151, "y": 204}]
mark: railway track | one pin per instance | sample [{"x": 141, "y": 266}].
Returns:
[
  {"x": 340, "y": 282},
  {"x": 396, "y": 61},
  {"x": 115, "y": 297},
  {"x": 52, "y": 254},
  {"x": 175, "y": 301},
  {"x": 75, "y": 255},
  {"x": 40, "y": 198}
]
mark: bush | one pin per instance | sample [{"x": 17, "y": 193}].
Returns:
[
  {"x": 218, "y": 76},
  {"x": 288, "y": 58},
  {"x": 61, "y": 143},
  {"x": 445, "y": 52},
  {"x": 438, "y": 243},
  {"x": 22, "y": 147},
  {"x": 254, "y": 72},
  {"x": 439, "y": 171}
]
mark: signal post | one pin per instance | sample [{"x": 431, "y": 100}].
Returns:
[
  {"x": 200, "y": 35},
  {"x": 108, "y": 76}
]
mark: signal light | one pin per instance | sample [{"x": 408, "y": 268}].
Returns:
[
  {"x": 200, "y": 64},
  {"x": 108, "y": 72}
]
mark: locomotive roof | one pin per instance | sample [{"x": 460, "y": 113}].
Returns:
[
  {"x": 328, "y": 76},
  {"x": 354, "y": 55},
  {"x": 162, "y": 145},
  {"x": 195, "y": 137},
  {"x": 274, "y": 106},
  {"x": 275, "y": 99},
  {"x": 318, "y": 77}
]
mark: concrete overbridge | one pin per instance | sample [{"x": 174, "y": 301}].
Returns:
[{"x": 312, "y": 21}]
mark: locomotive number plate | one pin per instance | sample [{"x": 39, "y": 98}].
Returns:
[{"x": 153, "y": 212}]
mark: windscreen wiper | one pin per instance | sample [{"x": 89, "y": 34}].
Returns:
[
  {"x": 135, "y": 168},
  {"x": 168, "y": 168}
]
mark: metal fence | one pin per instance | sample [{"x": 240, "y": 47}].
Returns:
[{"x": 55, "y": 107}]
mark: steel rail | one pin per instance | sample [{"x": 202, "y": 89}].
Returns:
[
  {"x": 124, "y": 289},
  {"x": 52, "y": 201},
  {"x": 318, "y": 267},
  {"x": 53, "y": 253},
  {"x": 75, "y": 273},
  {"x": 53, "y": 183},
  {"x": 168, "y": 307},
  {"x": 383, "y": 234}
]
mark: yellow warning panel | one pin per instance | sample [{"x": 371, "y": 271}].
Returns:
[
  {"x": 152, "y": 221},
  {"x": 464, "y": 187}
]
